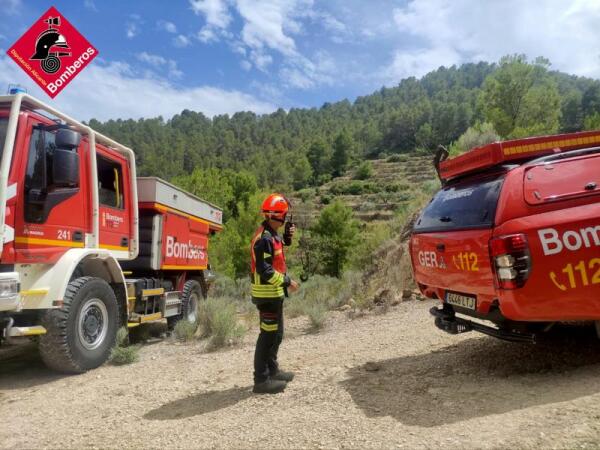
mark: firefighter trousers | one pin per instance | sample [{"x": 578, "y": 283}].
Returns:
[{"x": 270, "y": 337}]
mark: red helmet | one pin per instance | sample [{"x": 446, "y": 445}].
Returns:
[{"x": 275, "y": 207}]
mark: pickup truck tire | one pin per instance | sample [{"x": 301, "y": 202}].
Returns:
[
  {"x": 80, "y": 335},
  {"x": 190, "y": 300}
]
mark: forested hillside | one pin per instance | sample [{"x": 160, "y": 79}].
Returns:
[
  {"x": 417, "y": 113},
  {"x": 357, "y": 170}
]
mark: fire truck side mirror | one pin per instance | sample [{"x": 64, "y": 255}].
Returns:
[
  {"x": 65, "y": 168},
  {"x": 67, "y": 139}
]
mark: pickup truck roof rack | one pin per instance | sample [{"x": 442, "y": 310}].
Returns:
[{"x": 496, "y": 153}]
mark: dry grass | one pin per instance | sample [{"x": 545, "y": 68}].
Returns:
[
  {"x": 123, "y": 353},
  {"x": 218, "y": 322},
  {"x": 185, "y": 331}
]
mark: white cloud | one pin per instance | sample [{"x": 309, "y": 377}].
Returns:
[
  {"x": 11, "y": 7},
  {"x": 245, "y": 65},
  {"x": 270, "y": 27},
  {"x": 418, "y": 63},
  {"x": 207, "y": 34},
  {"x": 238, "y": 47},
  {"x": 260, "y": 59},
  {"x": 265, "y": 22},
  {"x": 167, "y": 26},
  {"x": 155, "y": 60},
  {"x": 181, "y": 41},
  {"x": 133, "y": 26},
  {"x": 305, "y": 73},
  {"x": 216, "y": 12},
  {"x": 160, "y": 63},
  {"x": 333, "y": 24},
  {"x": 89, "y": 4},
  {"x": 112, "y": 91},
  {"x": 457, "y": 31}
]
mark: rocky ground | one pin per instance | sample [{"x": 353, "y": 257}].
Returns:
[{"x": 380, "y": 381}]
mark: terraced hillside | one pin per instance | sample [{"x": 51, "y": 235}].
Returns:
[{"x": 392, "y": 185}]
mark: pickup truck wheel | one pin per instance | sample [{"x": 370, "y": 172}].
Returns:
[
  {"x": 190, "y": 300},
  {"x": 81, "y": 334}
]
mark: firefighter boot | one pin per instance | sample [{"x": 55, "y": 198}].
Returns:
[
  {"x": 270, "y": 386},
  {"x": 283, "y": 376}
]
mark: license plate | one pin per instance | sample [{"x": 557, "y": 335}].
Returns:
[{"x": 463, "y": 301}]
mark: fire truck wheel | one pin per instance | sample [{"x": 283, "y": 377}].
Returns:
[
  {"x": 190, "y": 300},
  {"x": 82, "y": 333}
]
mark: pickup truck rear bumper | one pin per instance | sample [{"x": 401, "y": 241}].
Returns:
[{"x": 447, "y": 321}]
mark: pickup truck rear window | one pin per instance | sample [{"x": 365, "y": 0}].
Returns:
[{"x": 465, "y": 205}]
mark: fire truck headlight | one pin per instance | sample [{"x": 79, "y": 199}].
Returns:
[{"x": 9, "y": 289}]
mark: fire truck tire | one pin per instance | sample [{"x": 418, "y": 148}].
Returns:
[
  {"x": 81, "y": 334},
  {"x": 190, "y": 300}
]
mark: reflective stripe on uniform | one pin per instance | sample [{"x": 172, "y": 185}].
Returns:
[
  {"x": 277, "y": 279},
  {"x": 267, "y": 327},
  {"x": 266, "y": 291}
]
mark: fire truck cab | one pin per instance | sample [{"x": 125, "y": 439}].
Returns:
[
  {"x": 510, "y": 244},
  {"x": 81, "y": 255}
]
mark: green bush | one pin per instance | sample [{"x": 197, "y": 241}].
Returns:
[
  {"x": 397, "y": 158},
  {"x": 305, "y": 194},
  {"x": 475, "y": 136},
  {"x": 235, "y": 289},
  {"x": 354, "y": 188},
  {"x": 371, "y": 239},
  {"x": 364, "y": 171},
  {"x": 185, "y": 331},
  {"x": 122, "y": 339},
  {"x": 120, "y": 356},
  {"x": 122, "y": 353},
  {"x": 335, "y": 233},
  {"x": 218, "y": 322},
  {"x": 317, "y": 314},
  {"x": 431, "y": 187},
  {"x": 371, "y": 187},
  {"x": 338, "y": 188},
  {"x": 367, "y": 206},
  {"x": 329, "y": 292},
  {"x": 396, "y": 187},
  {"x": 325, "y": 199}
]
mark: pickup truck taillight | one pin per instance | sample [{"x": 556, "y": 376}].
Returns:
[{"x": 511, "y": 260}]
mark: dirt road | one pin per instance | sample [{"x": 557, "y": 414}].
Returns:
[{"x": 381, "y": 381}]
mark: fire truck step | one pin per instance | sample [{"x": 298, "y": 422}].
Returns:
[
  {"x": 150, "y": 317},
  {"x": 27, "y": 331},
  {"x": 152, "y": 292}
]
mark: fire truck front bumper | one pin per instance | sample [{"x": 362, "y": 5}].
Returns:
[{"x": 9, "y": 291}]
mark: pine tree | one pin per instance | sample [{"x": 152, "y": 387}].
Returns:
[{"x": 342, "y": 147}]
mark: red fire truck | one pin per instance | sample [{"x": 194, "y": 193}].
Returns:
[
  {"x": 512, "y": 238},
  {"x": 88, "y": 247}
]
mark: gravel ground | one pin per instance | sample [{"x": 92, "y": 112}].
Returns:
[{"x": 381, "y": 381}]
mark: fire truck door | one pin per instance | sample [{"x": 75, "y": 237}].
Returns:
[
  {"x": 113, "y": 196},
  {"x": 54, "y": 213}
]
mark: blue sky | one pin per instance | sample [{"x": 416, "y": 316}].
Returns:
[{"x": 221, "y": 56}]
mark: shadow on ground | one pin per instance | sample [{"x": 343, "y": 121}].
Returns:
[
  {"x": 475, "y": 378},
  {"x": 21, "y": 367},
  {"x": 199, "y": 404}
]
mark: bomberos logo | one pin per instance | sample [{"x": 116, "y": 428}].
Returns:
[{"x": 52, "y": 52}]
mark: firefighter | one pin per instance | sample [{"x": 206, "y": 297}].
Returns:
[{"x": 270, "y": 285}]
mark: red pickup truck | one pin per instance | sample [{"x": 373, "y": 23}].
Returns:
[{"x": 512, "y": 239}]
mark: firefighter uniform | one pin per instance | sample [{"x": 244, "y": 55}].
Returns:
[{"x": 269, "y": 282}]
